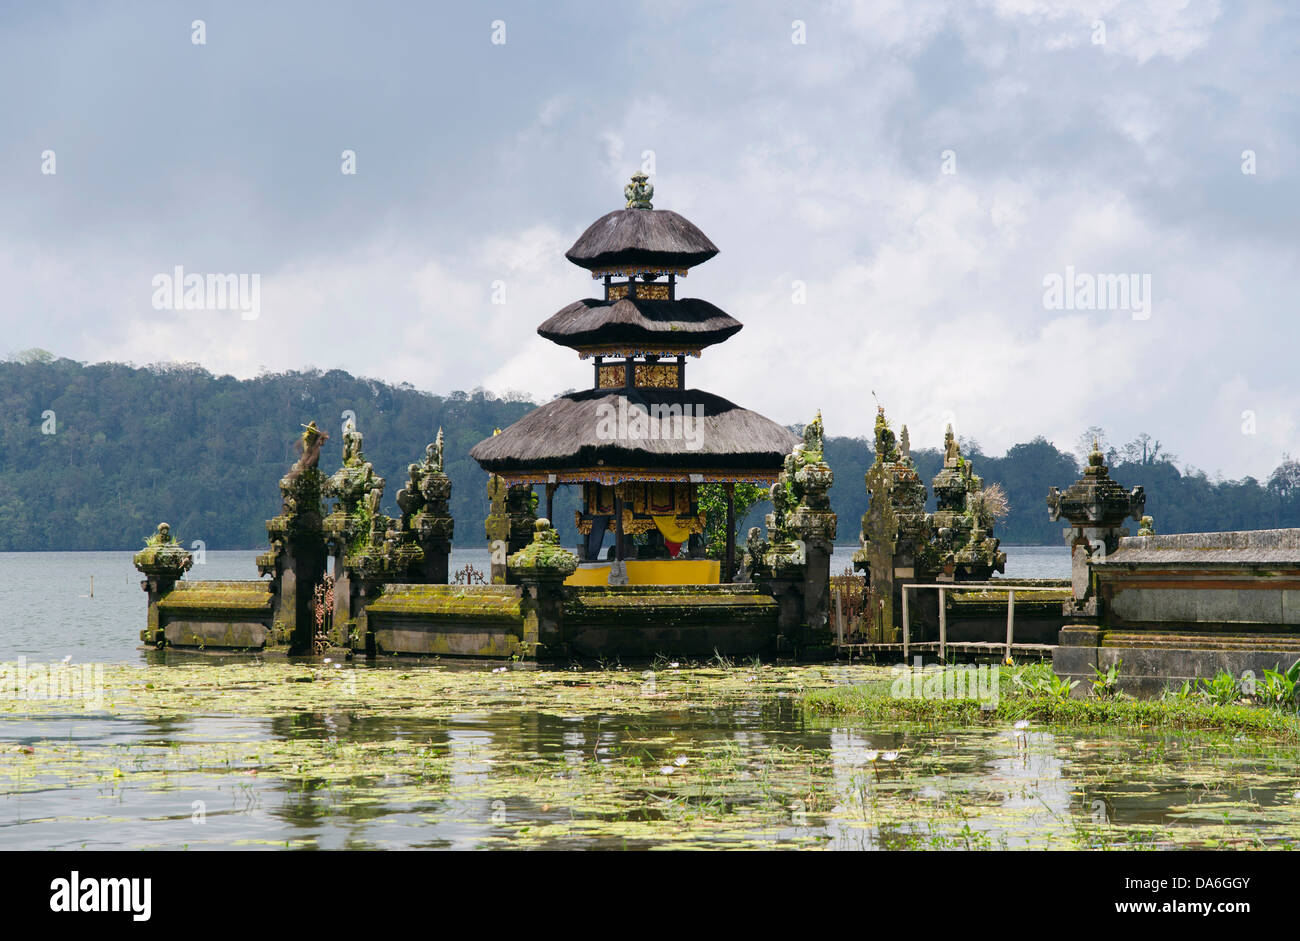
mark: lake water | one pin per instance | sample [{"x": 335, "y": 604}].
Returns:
[
  {"x": 203, "y": 752},
  {"x": 47, "y": 612}
]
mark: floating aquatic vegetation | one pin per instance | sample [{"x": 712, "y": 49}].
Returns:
[{"x": 290, "y": 754}]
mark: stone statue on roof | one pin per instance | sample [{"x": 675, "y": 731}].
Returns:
[{"x": 639, "y": 192}]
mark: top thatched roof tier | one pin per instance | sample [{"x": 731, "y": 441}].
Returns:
[
  {"x": 634, "y": 240},
  {"x": 688, "y": 322},
  {"x": 591, "y": 429}
]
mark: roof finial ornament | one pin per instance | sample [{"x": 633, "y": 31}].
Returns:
[
  {"x": 639, "y": 192},
  {"x": 1096, "y": 460}
]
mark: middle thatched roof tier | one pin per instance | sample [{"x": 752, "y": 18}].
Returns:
[
  {"x": 662, "y": 433},
  {"x": 687, "y": 323}
]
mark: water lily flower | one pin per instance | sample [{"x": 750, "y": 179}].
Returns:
[
  {"x": 667, "y": 769},
  {"x": 872, "y": 755},
  {"x": 680, "y": 761},
  {"x": 889, "y": 756}
]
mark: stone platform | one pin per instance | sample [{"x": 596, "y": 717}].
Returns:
[{"x": 1185, "y": 606}]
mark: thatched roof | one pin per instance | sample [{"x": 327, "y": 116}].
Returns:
[
  {"x": 592, "y": 322},
  {"x": 572, "y": 432},
  {"x": 647, "y": 238}
]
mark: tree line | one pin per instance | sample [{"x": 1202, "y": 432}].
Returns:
[{"x": 93, "y": 456}]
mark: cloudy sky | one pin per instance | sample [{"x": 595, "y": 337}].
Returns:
[{"x": 912, "y": 172}]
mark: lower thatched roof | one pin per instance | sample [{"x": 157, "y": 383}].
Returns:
[
  {"x": 592, "y": 322},
  {"x": 637, "y": 428}
]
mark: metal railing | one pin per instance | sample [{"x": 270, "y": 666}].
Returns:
[{"x": 968, "y": 586}]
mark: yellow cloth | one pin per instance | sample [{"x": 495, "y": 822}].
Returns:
[{"x": 673, "y": 531}]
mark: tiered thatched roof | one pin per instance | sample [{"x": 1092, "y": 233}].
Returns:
[
  {"x": 641, "y": 238},
  {"x": 686, "y": 322},
  {"x": 571, "y": 433}
]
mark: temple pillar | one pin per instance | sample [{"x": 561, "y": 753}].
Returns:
[
  {"x": 540, "y": 569},
  {"x": 358, "y": 491},
  {"x": 426, "y": 515},
  {"x": 162, "y": 562},
  {"x": 1094, "y": 506},
  {"x": 509, "y": 525},
  {"x": 297, "y": 558},
  {"x": 793, "y": 564}
]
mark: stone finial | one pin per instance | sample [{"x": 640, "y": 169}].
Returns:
[
  {"x": 1095, "y": 499},
  {"x": 309, "y": 445},
  {"x": 355, "y": 483},
  {"x": 639, "y": 192},
  {"x": 886, "y": 443},
  {"x": 1096, "y": 461},
  {"x": 951, "y": 449},
  {"x": 904, "y": 443},
  {"x": 163, "y": 556},
  {"x": 801, "y": 509},
  {"x": 1147, "y": 526},
  {"x": 544, "y": 557},
  {"x": 352, "y": 444}
]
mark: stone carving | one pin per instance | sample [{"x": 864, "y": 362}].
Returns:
[
  {"x": 800, "y": 505},
  {"x": 162, "y": 561},
  {"x": 896, "y": 530},
  {"x": 512, "y": 513},
  {"x": 354, "y": 485},
  {"x": 425, "y": 502},
  {"x": 543, "y": 557},
  {"x": 1095, "y": 505},
  {"x": 794, "y": 561},
  {"x": 162, "y": 556},
  {"x": 639, "y": 192},
  {"x": 296, "y": 559},
  {"x": 963, "y": 521}
]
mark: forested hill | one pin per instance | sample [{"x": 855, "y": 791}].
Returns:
[{"x": 94, "y": 456}]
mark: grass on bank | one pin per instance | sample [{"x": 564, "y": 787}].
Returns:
[{"x": 1035, "y": 694}]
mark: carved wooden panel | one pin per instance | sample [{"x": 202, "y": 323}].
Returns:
[
  {"x": 656, "y": 375},
  {"x": 612, "y": 377}
]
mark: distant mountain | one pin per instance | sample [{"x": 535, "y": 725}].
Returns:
[{"x": 94, "y": 456}]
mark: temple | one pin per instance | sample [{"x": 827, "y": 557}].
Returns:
[
  {"x": 639, "y": 444},
  {"x": 653, "y": 461}
]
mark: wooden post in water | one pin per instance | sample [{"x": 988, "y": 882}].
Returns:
[
  {"x": 839, "y": 619},
  {"x": 92, "y": 586},
  {"x": 1011, "y": 620},
  {"x": 905, "y": 627}
]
